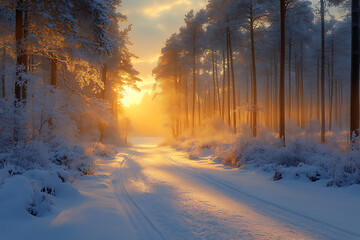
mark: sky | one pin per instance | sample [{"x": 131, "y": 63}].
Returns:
[{"x": 153, "y": 21}]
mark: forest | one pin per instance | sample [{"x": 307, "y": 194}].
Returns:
[
  {"x": 241, "y": 61},
  {"x": 273, "y": 75},
  {"x": 64, "y": 65},
  {"x": 259, "y": 100}
]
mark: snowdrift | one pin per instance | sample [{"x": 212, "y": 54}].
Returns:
[{"x": 34, "y": 175}]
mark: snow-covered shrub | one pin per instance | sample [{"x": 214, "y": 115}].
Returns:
[
  {"x": 229, "y": 158},
  {"x": 42, "y": 168},
  {"x": 33, "y": 192},
  {"x": 39, "y": 155},
  {"x": 73, "y": 157},
  {"x": 212, "y": 133},
  {"x": 27, "y": 156},
  {"x": 300, "y": 158},
  {"x": 345, "y": 170},
  {"x": 277, "y": 175},
  {"x": 102, "y": 150},
  {"x": 44, "y": 186},
  {"x": 194, "y": 153}
]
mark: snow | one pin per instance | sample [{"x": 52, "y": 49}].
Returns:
[
  {"x": 303, "y": 157},
  {"x": 155, "y": 192}
]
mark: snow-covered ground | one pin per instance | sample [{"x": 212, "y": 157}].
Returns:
[{"x": 150, "y": 192}]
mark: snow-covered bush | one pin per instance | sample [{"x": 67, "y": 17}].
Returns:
[
  {"x": 40, "y": 155},
  {"x": 41, "y": 170},
  {"x": 300, "y": 158},
  {"x": 72, "y": 157},
  {"x": 102, "y": 150},
  {"x": 33, "y": 192},
  {"x": 212, "y": 133}
]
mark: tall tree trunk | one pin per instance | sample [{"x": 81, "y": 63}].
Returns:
[
  {"x": 53, "y": 72},
  {"x": 194, "y": 83},
  {"x": 318, "y": 90},
  {"x": 311, "y": 104},
  {"x": 247, "y": 97},
  {"x": 302, "y": 87},
  {"x": 331, "y": 86},
  {"x": 53, "y": 83},
  {"x": 336, "y": 110},
  {"x": 19, "y": 37},
  {"x": 331, "y": 104},
  {"x": 282, "y": 73},
  {"x": 271, "y": 99},
  {"x": 355, "y": 61},
  {"x": 217, "y": 86},
  {"x": 186, "y": 103},
  {"x": 341, "y": 104},
  {"x": 276, "y": 94},
  {"x": 329, "y": 90},
  {"x": 104, "y": 80},
  {"x": 232, "y": 80},
  {"x": 205, "y": 104},
  {"x": 199, "y": 106},
  {"x": 25, "y": 56},
  {"x": 213, "y": 77},
  {"x": 254, "y": 94},
  {"x": 267, "y": 108},
  {"x": 179, "y": 94},
  {"x": 297, "y": 79},
  {"x": 239, "y": 103},
  {"x": 290, "y": 107},
  {"x": 322, "y": 10},
  {"x": 303, "y": 115},
  {"x": 228, "y": 79},
  {"x": 176, "y": 88},
  {"x": 223, "y": 88},
  {"x": 3, "y": 87}
]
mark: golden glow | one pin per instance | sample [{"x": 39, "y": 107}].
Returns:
[
  {"x": 148, "y": 34},
  {"x": 134, "y": 97},
  {"x": 153, "y": 22},
  {"x": 153, "y": 59},
  {"x": 131, "y": 97},
  {"x": 148, "y": 118},
  {"x": 156, "y": 10}
]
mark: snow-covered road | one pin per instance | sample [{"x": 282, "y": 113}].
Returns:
[
  {"x": 151, "y": 192},
  {"x": 167, "y": 196}
]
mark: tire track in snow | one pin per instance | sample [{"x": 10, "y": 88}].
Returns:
[
  {"x": 297, "y": 219},
  {"x": 136, "y": 215}
]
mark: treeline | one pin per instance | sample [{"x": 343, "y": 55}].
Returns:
[
  {"x": 64, "y": 64},
  {"x": 263, "y": 63}
]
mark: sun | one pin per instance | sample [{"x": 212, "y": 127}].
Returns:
[{"x": 131, "y": 97}]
